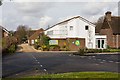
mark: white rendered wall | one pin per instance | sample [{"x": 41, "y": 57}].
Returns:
[{"x": 77, "y": 32}]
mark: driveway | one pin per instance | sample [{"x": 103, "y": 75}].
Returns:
[
  {"x": 27, "y": 64},
  {"x": 26, "y": 48}
]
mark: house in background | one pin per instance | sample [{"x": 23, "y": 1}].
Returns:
[
  {"x": 111, "y": 28},
  {"x": 4, "y": 31},
  {"x": 35, "y": 36},
  {"x": 75, "y": 33}
]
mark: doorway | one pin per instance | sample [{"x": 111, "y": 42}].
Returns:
[{"x": 100, "y": 43}]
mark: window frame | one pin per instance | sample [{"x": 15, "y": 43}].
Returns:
[
  {"x": 86, "y": 27},
  {"x": 71, "y": 28}
]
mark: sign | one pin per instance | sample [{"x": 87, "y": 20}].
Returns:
[
  {"x": 77, "y": 43},
  {"x": 53, "y": 42}
]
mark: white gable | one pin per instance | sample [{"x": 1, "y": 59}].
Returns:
[{"x": 74, "y": 28}]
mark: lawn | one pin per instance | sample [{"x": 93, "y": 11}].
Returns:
[
  {"x": 81, "y": 75},
  {"x": 74, "y": 75}
]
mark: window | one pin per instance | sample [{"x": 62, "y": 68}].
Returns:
[
  {"x": 71, "y": 27},
  {"x": 86, "y": 27},
  {"x": 50, "y": 32}
]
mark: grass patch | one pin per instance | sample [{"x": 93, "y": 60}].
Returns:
[
  {"x": 73, "y": 75},
  {"x": 80, "y": 75},
  {"x": 114, "y": 50}
]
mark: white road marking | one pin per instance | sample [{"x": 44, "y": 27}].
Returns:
[
  {"x": 41, "y": 65},
  {"x": 93, "y": 56},
  {"x": 45, "y": 70},
  {"x": 117, "y": 62},
  {"x": 101, "y": 62}
]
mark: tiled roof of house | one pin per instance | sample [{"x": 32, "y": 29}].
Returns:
[
  {"x": 113, "y": 23},
  {"x": 36, "y": 34},
  {"x": 31, "y": 32}
]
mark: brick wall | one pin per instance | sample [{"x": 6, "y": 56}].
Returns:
[
  {"x": 70, "y": 43},
  {"x": 74, "y": 47},
  {"x": 111, "y": 39},
  {"x": 119, "y": 41}
]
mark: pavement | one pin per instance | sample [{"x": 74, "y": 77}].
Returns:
[{"x": 23, "y": 64}]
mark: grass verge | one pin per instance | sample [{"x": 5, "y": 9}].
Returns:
[{"x": 75, "y": 76}]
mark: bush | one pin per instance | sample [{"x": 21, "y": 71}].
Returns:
[
  {"x": 81, "y": 52},
  {"x": 106, "y": 50},
  {"x": 64, "y": 48},
  {"x": 36, "y": 46},
  {"x": 12, "y": 48},
  {"x": 9, "y": 45},
  {"x": 45, "y": 48},
  {"x": 54, "y": 48},
  {"x": 85, "y": 51}
]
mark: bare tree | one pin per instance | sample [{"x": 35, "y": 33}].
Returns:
[
  {"x": 99, "y": 23},
  {"x": 21, "y": 33}
]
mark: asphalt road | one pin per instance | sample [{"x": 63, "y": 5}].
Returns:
[{"x": 27, "y": 64}]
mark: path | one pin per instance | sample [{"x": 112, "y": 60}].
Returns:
[{"x": 26, "y": 48}]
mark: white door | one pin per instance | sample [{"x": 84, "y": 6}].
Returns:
[
  {"x": 101, "y": 43},
  {"x": 32, "y": 41}
]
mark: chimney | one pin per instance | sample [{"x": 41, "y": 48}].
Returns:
[{"x": 108, "y": 15}]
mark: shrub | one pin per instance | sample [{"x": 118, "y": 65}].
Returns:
[
  {"x": 45, "y": 48},
  {"x": 54, "y": 48},
  {"x": 82, "y": 52},
  {"x": 12, "y": 48},
  {"x": 106, "y": 50},
  {"x": 64, "y": 48},
  {"x": 36, "y": 46}
]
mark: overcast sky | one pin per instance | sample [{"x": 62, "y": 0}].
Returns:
[{"x": 39, "y": 14}]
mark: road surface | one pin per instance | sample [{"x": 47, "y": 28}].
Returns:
[{"x": 32, "y": 63}]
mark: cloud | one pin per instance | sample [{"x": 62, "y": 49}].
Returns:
[
  {"x": 66, "y": 0},
  {"x": 33, "y": 8},
  {"x": 45, "y": 21},
  {"x": 97, "y": 8},
  {"x": 42, "y": 14}
]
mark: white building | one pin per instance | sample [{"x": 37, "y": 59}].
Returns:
[{"x": 76, "y": 27}]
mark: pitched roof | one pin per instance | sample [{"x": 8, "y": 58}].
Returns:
[
  {"x": 114, "y": 24},
  {"x": 72, "y": 19},
  {"x": 36, "y": 34},
  {"x": 31, "y": 32},
  {"x": 4, "y": 29}
]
